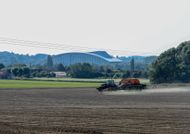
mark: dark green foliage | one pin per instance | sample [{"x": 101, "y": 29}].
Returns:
[
  {"x": 84, "y": 70},
  {"x": 172, "y": 66},
  {"x": 21, "y": 72},
  {"x": 141, "y": 62},
  {"x": 15, "y": 72},
  {"x": 60, "y": 67},
  {"x": 43, "y": 74},
  {"x": 49, "y": 62},
  {"x": 126, "y": 74},
  {"x": 132, "y": 67},
  {"x": 2, "y": 66},
  {"x": 105, "y": 71},
  {"x": 136, "y": 74},
  {"x": 108, "y": 70},
  {"x": 8, "y": 58},
  {"x": 26, "y": 72}
]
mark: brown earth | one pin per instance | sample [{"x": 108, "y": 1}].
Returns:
[{"x": 76, "y": 111}]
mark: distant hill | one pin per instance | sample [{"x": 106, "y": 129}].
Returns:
[
  {"x": 102, "y": 53},
  {"x": 139, "y": 59},
  {"x": 8, "y": 58}
]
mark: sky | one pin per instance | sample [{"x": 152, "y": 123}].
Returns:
[{"x": 121, "y": 27}]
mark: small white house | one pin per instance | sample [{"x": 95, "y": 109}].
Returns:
[{"x": 60, "y": 74}]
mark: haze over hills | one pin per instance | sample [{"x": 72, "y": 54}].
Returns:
[{"x": 9, "y": 58}]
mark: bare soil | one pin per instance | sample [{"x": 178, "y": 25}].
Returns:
[{"x": 78, "y": 111}]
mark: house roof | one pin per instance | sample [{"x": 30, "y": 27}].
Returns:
[{"x": 100, "y": 54}]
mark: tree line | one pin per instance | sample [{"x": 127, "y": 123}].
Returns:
[
  {"x": 172, "y": 65},
  {"x": 79, "y": 70}
]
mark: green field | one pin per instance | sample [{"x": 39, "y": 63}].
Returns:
[
  {"x": 44, "y": 84},
  {"x": 55, "y": 83},
  {"x": 145, "y": 81},
  {"x": 71, "y": 80}
]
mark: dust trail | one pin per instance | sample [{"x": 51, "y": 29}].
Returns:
[{"x": 148, "y": 91}]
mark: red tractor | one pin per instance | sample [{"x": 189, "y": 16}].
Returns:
[{"x": 124, "y": 84}]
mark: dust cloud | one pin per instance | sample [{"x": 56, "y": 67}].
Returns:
[{"x": 148, "y": 91}]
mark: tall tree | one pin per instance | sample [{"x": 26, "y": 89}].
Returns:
[
  {"x": 60, "y": 67},
  {"x": 132, "y": 67},
  {"x": 83, "y": 70},
  {"x": 172, "y": 65},
  {"x": 2, "y": 66},
  {"x": 49, "y": 62}
]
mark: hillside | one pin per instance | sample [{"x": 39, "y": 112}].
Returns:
[
  {"x": 8, "y": 58},
  {"x": 139, "y": 59}
]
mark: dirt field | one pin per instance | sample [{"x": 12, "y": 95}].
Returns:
[{"x": 76, "y": 111}]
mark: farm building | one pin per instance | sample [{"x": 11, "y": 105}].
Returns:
[
  {"x": 60, "y": 74},
  {"x": 95, "y": 58}
]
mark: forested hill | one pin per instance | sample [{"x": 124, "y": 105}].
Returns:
[
  {"x": 8, "y": 58},
  {"x": 139, "y": 59}
]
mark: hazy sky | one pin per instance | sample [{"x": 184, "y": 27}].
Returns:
[{"x": 133, "y": 26}]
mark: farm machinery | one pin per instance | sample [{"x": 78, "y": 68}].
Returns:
[{"x": 124, "y": 84}]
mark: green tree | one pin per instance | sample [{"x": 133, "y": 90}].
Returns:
[
  {"x": 83, "y": 70},
  {"x": 15, "y": 71},
  {"x": 132, "y": 67},
  {"x": 60, "y": 67},
  {"x": 172, "y": 65},
  {"x": 49, "y": 62},
  {"x": 2, "y": 66},
  {"x": 26, "y": 72},
  {"x": 126, "y": 74}
]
